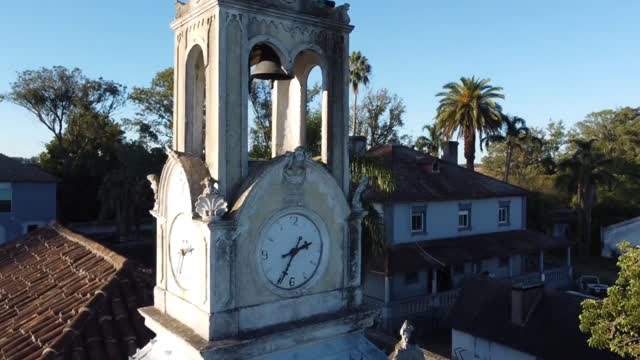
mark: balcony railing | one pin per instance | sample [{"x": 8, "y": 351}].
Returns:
[{"x": 440, "y": 302}]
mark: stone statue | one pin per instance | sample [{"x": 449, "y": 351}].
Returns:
[
  {"x": 210, "y": 205},
  {"x": 295, "y": 170},
  {"x": 404, "y": 349},
  {"x": 153, "y": 179}
]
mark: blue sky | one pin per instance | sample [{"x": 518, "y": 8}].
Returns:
[{"x": 555, "y": 59}]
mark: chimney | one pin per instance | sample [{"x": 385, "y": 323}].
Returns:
[
  {"x": 524, "y": 299},
  {"x": 357, "y": 146},
  {"x": 450, "y": 152}
]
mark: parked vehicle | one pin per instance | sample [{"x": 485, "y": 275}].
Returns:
[{"x": 591, "y": 285}]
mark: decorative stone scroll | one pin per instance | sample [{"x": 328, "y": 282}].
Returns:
[
  {"x": 211, "y": 205},
  {"x": 153, "y": 179},
  {"x": 356, "y": 201}
]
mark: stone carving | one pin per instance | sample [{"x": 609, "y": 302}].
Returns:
[
  {"x": 211, "y": 205},
  {"x": 356, "y": 201},
  {"x": 295, "y": 170},
  {"x": 181, "y": 9},
  {"x": 171, "y": 153},
  {"x": 404, "y": 349},
  {"x": 153, "y": 179}
]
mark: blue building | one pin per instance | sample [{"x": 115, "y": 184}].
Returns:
[
  {"x": 27, "y": 198},
  {"x": 444, "y": 223}
]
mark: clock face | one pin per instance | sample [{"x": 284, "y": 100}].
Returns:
[
  {"x": 290, "y": 251},
  {"x": 183, "y": 252}
]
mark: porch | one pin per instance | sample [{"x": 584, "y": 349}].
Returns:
[{"x": 436, "y": 306}]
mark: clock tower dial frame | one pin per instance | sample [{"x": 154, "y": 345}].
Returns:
[{"x": 292, "y": 251}]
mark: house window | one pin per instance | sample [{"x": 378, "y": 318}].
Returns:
[
  {"x": 418, "y": 220},
  {"x": 464, "y": 216},
  {"x": 503, "y": 213},
  {"x": 5, "y": 198},
  {"x": 411, "y": 278},
  {"x": 503, "y": 261}
]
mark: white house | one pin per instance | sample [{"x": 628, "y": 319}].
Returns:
[{"x": 444, "y": 223}]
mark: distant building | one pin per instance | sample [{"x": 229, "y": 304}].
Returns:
[
  {"x": 63, "y": 296},
  {"x": 495, "y": 320},
  {"x": 27, "y": 198},
  {"x": 444, "y": 223},
  {"x": 612, "y": 236}
]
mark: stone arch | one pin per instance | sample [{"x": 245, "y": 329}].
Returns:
[
  {"x": 275, "y": 45},
  {"x": 195, "y": 97},
  {"x": 289, "y": 110}
]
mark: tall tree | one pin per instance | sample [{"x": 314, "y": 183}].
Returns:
[
  {"x": 54, "y": 95},
  {"x": 381, "y": 117},
  {"x": 581, "y": 173},
  {"x": 432, "y": 142},
  {"x": 360, "y": 70},
  {"x": 614, "y": 323},
  {"x": 469, "y": 108},
  {"x": 513, "y": 134},
  {"x": 154, "y": 117}
]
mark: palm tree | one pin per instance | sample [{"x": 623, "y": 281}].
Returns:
[
  {"x": 360, "y": 71},
  {"x": 432, "y": 143},
  {"x": 581, "y": 173},
  {"x": 514, "y": 132},
  {"x": 470, "y": 108}
]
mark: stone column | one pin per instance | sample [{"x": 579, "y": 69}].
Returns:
[
  {"x": 434, "y": 281},
  {"x": 354, "y": 265},
  {"x": 222, "y": 279},
  {"x": 542, "y": 277},
  {"x": 335, "y": 125},
  {"x": 569, "y": 262}
]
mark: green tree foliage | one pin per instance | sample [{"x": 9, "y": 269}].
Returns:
[
  {"x": 154, "y": 118},
  {"x": 469, "y": 108},
  {"x": 431, "y": 143},
  {"x": 260, "y": 134},
  {"x": 360, "y": 70},
  {"x": 581, "y": 173},
  {"x": 55, "y": 95},
  {"x": 381, "y": 117},
  {"x": 614, "y": 323},
  {"x": 124, "y": 192},
  {"x": 514, "y": 134}
]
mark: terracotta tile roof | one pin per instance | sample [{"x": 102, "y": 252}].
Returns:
[
  {"x": 415, "y": 179},
  {"x": 551, "y": 332},
  {"x": 454, "y": 251},
  {"x": 14, "y": 171},
  {"x": 63, "y": 296}
]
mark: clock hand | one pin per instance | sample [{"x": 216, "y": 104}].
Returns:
[
  {"x": 291, "y": 255},
  {"x": 180, "y": 261}
]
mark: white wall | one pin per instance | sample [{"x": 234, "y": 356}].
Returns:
[
  {"x": 469, "y": 347},
  {"x": 442, "y": 219},
  {"x": 614, "y": 235}
]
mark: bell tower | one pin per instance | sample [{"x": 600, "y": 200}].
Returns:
[
  {"x": 221, "y": 44},
  {"x": 258, "y": 260}
]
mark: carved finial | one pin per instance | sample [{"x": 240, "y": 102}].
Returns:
[
  {"x": 211, "y": 205},
  {"x": 153, "y": 179},
  {"x": 295, "y": 169},
  {"x": 356, "y": 201}
]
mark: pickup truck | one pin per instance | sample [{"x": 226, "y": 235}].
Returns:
[{"x": 591, "y": 285}]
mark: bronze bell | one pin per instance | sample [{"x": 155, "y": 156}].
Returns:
[{"x": 267, "y": 64}]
